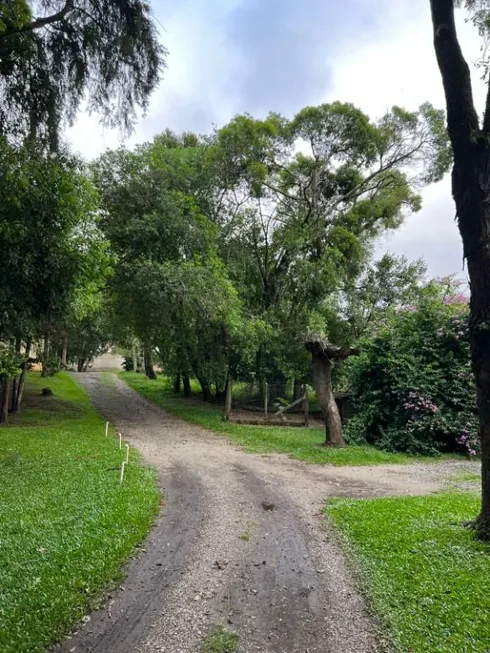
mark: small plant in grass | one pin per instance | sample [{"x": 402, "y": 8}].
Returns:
[{"x": 220, "y": 640}]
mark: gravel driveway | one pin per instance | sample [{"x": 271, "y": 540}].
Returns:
[{"x": 240, "y": 542}]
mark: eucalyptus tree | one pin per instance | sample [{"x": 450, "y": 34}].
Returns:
[{"x": 311, "y": 196}]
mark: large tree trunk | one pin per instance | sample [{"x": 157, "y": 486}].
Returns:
[
  {"x": 4, "y": 400},
  {"x": 80, "y": 364},
  {"x": 324, "y": 355},
  {"x": 470, "y": 142},
  {"x": 187, "y": 386},
  {"x": 19, "y": 390},
  {"x": 149, "y": 371},
  {"x": 322, "y": 380}
]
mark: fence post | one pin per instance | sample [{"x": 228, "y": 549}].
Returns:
[
  {"x": 266, "y": 400},
  {"x": 228, "y": 398},
  {"x": 306, "y": 405}
]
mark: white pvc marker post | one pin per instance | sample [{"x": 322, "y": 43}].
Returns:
[
  {"x": 123, "y": 465},
  {"x": 127, "y": 454},
  {"x": 120, "y": 441},
  {"x": 106, "y": 429}
]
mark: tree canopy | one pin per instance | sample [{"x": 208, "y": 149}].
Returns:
[{"x": 56, "y": 55}]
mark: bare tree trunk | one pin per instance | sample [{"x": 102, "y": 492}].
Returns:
[
  {"x": 80, "y": 364},
  {"x": 322, "y": 380},
  {"x": 134, "y": 354},
  {"x": 64, "y": 351},
  {"x": 187, "y": 386},
  {"x": 470, "y": 142},
  {"x": 19, "y": 392},
  {"x": 15, "y": 380},
  {"x": 149, "y": 371},
  {"x": 177, "y": 383},
  {"x": 4, "y": 401},
  {"x": 206, "y": 389},
  {"x": 46, "y": 355},
  {"x": 324, "y": 355},
  {"x": 228, "y": 399},
  {"x": 297, "y": 389}
]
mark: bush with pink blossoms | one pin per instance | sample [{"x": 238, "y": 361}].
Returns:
[{"x": 412, "y": 384}]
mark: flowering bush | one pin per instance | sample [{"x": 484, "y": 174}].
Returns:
[{"x": 412, "y": 385}]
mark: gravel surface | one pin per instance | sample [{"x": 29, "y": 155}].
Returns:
[{"x": 241, "y": 542}]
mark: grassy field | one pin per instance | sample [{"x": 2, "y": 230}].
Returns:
[
  {"x": 299, "y": 443},
  {"x": 66, "y": 524},
  {"x": 425, "y": 576}
]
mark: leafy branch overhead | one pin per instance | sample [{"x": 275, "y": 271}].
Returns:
[{"x": 55, "y": 55}]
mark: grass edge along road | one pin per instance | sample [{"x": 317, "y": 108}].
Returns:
[
  {"x": 299, "y": 443},
  {"x": 426, "y": 578},
  {"x": 66, "y": 524}
]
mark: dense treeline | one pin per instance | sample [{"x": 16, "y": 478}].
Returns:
[{"x": 215, "y": 255}]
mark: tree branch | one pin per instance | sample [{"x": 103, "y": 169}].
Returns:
[
  {"x": 462, "y": 117},
  {"x": 39, "y": 22}
]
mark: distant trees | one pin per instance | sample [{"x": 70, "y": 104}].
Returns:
[{"x": 231, "y": 247}]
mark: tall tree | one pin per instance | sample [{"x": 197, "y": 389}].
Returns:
[
  {"x": 304, "y": 222},
  {"x": 55, "y": 54},
  {"x": 470, "y": 140}
]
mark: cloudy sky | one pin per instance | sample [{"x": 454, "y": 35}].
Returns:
[{"x": 232, "y": 56}]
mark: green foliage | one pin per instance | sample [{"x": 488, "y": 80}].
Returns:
[
  {"x": 67, "y": 523},
  {"x": 102, "y": 51},
  {"x": 426, "y": 577},
  {"x": 412, "y": 384},
  {"x": 46, "y": 204},
  {"x": 299, "y": 443},
  {"x": 10, "y": 362}
]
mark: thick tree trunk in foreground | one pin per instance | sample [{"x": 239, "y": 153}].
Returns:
[
  {"x": 471, "y": 192},
  {"x": 149, "y": 371},
  {"x": 80, "y": 364},
  {"x": 187, "y": 386},
  {"x": 4, "y": 400},
  {"x": 324, "y": 355}
]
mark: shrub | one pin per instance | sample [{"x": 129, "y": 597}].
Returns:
[{"x": 412, "y": 385}]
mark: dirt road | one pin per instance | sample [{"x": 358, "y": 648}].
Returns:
[{"x": 241, "y": 542}]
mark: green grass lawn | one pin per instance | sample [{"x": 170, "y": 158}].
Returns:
[
  {"x": 299, "y": 443},
  {"x": 66, "y": 524},
  {"x": 425, "y": 576}
]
